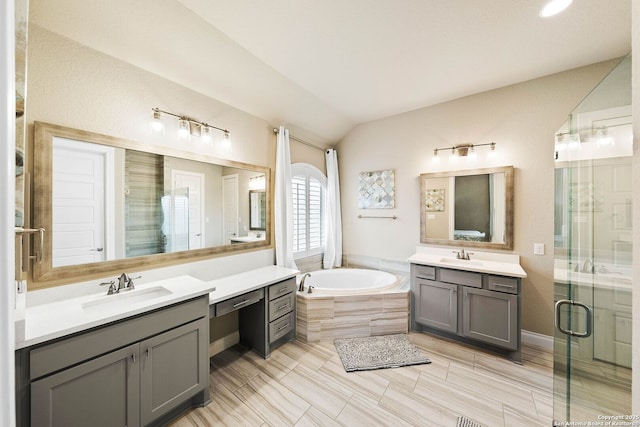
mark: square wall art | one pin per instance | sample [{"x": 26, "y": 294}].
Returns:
[
  {"x": 434, "y": 200},
  {"x": 377, "y": 190}
]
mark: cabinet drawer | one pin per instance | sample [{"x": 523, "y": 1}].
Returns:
[
  {"x": 425, "y": 272},
  {"x": 458, "y": 277},
  {"x": 281, "y": 327},
  {"x": 238, "y": 302},
  {"x": 282, "y": 288},
  {"x": 503, "y": 284},
  {"x": 281, "y": 306}
]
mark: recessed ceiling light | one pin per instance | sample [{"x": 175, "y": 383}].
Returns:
[{"x": 554, "y": 7}]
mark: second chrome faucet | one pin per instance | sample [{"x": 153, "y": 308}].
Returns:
[{"x": 301, "y": 287}]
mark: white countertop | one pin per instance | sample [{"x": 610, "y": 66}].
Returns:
[
  {"x": 238, "y": 284},
  {"x": 56, "y": 319},
  {"x": 619, "y": 282},
  {"x": 480, "y": 262}
]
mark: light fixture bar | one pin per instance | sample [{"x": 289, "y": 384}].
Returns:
[
  {"x": 157, "y": 111},
  {"x": 463, "y": 150}
]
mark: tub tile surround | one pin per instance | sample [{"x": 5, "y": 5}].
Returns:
[{"x": 324, "y": 317}]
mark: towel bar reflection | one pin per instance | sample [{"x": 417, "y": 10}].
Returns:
[
  {"x": 38, "y": 255},
  {"x": 377, "y": 217}
]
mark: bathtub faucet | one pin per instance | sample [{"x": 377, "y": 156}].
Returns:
[{"x": 301, "y": 287}]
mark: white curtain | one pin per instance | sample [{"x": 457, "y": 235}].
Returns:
[
  {"x": 333, "y": 246},
  {"x": 283, "y": 208}
]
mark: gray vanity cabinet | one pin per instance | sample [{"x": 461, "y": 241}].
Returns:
[
  {"x": 171, "y": 368},
  {"x": 437, "y": 305},
  {"x": 135, "y": 372},
  {"x": 490, "y": 317},
  {"x": 101, "y": 392},
  {"x": 476, "y": 308}
]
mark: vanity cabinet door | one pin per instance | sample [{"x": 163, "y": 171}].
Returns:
[
  {"x": 437, "y": 305},
  {"x": 173, "y": 367},
  {"x": 491, "y": 317},
  {"x": 102, "y": 392}
]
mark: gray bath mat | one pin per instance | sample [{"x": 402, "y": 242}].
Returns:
[
  {"x": 466, "y": 422},
  {"x": 386, "y": 351}
]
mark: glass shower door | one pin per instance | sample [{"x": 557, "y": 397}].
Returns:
[{"x": 592, "y": 265}]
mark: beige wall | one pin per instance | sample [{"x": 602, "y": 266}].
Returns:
[
  {"x": 522, "y": 119},
  {"x": 74, "y": 86}
]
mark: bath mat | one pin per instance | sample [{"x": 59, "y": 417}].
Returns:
[
  {"x": 385, "y": 351},
  {"x": 466, "y": 422}
]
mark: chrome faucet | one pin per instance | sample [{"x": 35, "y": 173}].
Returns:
[
  {"x": 301, "y": 287},
  {"x": 461, "y": 254},
  {"x": 125, "y": 282},
  {"x": 588, "y": 266}
]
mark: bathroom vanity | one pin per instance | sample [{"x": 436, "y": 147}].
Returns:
[
  {"x": 476, "y": 301},
  {"x": 141, "y": 357},
  {"x": 132, "y": 358}
]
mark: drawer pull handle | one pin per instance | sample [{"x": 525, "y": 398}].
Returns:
[
  {"x": 133, "y": 358},
  {"x": 503, "y": 286},
  {"x": 238, "y": 304},
  {"x": 283, "y": 327},
  {"x": 282, "y": 307},
  {"x": 281, "y": 290}
]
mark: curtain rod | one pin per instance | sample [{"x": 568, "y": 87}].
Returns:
[{"x": 302, "y": 141}]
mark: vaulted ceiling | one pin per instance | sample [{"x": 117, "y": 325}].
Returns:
[{"x": 322, "y": 67}]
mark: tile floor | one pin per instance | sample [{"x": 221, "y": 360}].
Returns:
[{"x": 304, "y": 384}]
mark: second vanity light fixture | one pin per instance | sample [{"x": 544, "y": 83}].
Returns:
[
  {"x": 464, "y": 150},
  {"x": 187, "y": 126}
]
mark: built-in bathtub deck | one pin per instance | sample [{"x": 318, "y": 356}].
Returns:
[{"x": 327, "y": 317}]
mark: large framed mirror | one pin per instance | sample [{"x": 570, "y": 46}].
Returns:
[
  {"x": 470, "y": 208},
  {"x": 109, "y": 204}
]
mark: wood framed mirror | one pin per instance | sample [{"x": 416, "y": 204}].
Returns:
[
  {"x": 110, "y": 205},
  {"x": 471, "y": 208}
]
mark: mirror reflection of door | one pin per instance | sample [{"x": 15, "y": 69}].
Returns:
[
  {"x": 194, "y": 182},
  {"x": 82, "y": 225},
  {"x": 257, "y": 210},
  {"x": 230, "y": 206}
]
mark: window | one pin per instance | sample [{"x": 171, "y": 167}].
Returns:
[{"x": 309, "y": 186}]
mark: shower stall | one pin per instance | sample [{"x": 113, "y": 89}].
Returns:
[{"x": 592, "y": 255}]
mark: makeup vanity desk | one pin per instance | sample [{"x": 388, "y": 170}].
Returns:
[{"x": 265, "y": 299}]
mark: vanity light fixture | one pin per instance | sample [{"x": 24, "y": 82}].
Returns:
[
  {"x": 464, "y": 150},
  {"x": 157, "y": 125},
  {"x": 554, "y": 7},
  {"x": 188, "y": 126},
  {"x": 183, "y": 128}
]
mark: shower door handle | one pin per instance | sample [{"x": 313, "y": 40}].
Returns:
[{"x": 588, "y": 314}]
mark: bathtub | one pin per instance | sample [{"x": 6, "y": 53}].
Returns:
[
  {"x": 352, "y": 302},
  {"x": 345, "y": 281}
]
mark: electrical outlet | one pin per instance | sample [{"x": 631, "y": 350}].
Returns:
[{"x": 538, "y": 248}]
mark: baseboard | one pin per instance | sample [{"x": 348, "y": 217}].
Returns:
[
  {"x": 221, "y": 344},
  {"x": 537, "y": 340}
]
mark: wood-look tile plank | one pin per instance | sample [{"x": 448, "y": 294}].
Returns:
[
  {"x": 272, "y": 401},
  {"x": 475, "y": 404},
  {"x": 368, "y": 382},
  {"x": 493, "y": 388},
  {"x": 318, "y": 389},
  {"x": 316, "y": 418},
  {"x": 225, "y": 409},
  {"x": 416, "y": 410},
  {"x": 360, "y": 412}
]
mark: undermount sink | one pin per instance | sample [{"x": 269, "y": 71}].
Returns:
[
  {"x": 126, "y": 298},
  {"x": 461, "y": 261}
]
